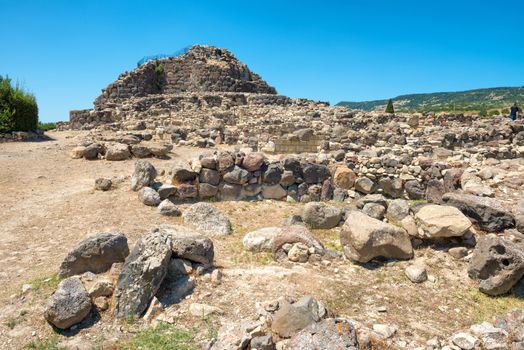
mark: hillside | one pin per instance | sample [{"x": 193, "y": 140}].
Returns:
[{"x": 471, "y": 100}]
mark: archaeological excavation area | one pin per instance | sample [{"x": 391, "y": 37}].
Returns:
[{"x": 193, "y": 207}]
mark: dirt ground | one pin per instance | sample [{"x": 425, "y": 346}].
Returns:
[{"x": 48, "y": 204}]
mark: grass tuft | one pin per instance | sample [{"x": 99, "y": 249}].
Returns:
[{"x": 163, "y": 336}]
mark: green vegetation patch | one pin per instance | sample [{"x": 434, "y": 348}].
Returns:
[
  {"x": 163, "y": 336},
  {"x": 18, "y": 108}
]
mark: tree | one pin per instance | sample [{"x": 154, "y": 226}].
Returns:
[{"x": 389, "y": 107}]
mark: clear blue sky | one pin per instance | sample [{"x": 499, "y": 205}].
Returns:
[{"x": 67, "y": 51}]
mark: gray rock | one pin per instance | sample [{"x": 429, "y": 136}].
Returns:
[
  {"x": 374, "y": 210},
  {"x": 165, "y": 191},
  {"x": 187, "y": 191},
  {"x": 253, "y": 161},
  {"x": 143, "y": 176},
  {"x": 364, "y": 185},
  {"x": 291, "y": 235},
  {"x": 416, "y": 273},
  {"x": 321, "y": 215},
  {"x": 372, "y": 198},
  {"x": 117, "y": 151},
  {"x": 188, "y": 244},
  {"x": 273, "y": 174},
  {"x": 208, "y": 219},
  {"x": 464, "y": 341},
  {"x": 182, "y": 172},
  {"x": 264, "y": 342},
  {"x": 291, "y": 318},
  {"x": 365, "y": 238},
  {"x": 398, "y": 209},
  {"x": 140, "y": 151},
  {"x": 168, "y": 208},
  {"x": 391, "y": 186},
  {"x": 229, "y": 191},
  {"x": 207, "y": 190},
  {"x": 437, "y": 221},
  {"x": 414, "y": 189},
  {"x": 69, "y": 304},
  {"x": 314, "y": 173},
  {"x": 237, "y": 175},
  {"x": 95, "y": 254},
  {"x": 103, "y": 184},
  {"x": 142, "y": 274},
  {"x": 149, "y": 196},
  {"x": 92, "y": 151},
  {"x": 488, "y": 213},
  {"x": 497, "y": 263},
  {"x": 261, "y": 239},
  {"x": 329, "y": 334},
  {"x": 209, "y": 176}
]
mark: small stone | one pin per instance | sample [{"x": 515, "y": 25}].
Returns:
[
  {"x": 458, "y": 252},
  {"x": 168, "y": 208},
  {"x": 464, "y": 341},
  {"x": 384, "y": 330},
  {"x": 416, "y": 273},
  {"x": 298, "y": 253},
  {"x": 103, "y": 184}
]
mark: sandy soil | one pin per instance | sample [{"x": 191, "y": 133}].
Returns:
[{"x": 47, "y": 205}]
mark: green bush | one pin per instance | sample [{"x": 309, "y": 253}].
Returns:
[
  {"x": 46, "y": 126},
  {"x": 18, "y": 108},
  {"x": 389, "y": 107}
]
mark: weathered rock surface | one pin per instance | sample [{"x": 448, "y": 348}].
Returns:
[
  {"x": 144, "y": 175},
  {"x": 498, "y": 264},
  {"x": 291, "y": 235},
  {"x": 365, "y": 238},
  {"x": 321, "y": 215},
  {"x": 103, "y": 184},
  {"x": 168, "y": 208},
  {"x": 142, "y": 274},
  {"x": 486, "y": 212},
  {"x": 117, "y": 151},
  {"x": 149, "y": 196},
  {"x": 291, "y": 318},
  {"x": 69, "y": 304},
  {"x": 328, "y": 334},
  {"x": 261, "y": 239},
  {"x": 436, "y": 221},
  {"x": 95, "y": 254},
  {"x": 208, "y": 219}
]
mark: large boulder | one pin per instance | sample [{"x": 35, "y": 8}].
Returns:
[
  {"x": 273, "y": 174},
  {"x": 321, "y": 215},
  {"x": 95, "y": 254},
  {"x": 327, "y": 334},
  {"x": 142, "y": 274},
  {"x": 436, "y": 221},
  {"x": 261, "y": 239},
  {"x": 498, "y": 264},
  {"x": 291, "y": 235},
  {"x": 143, "y": 176},
  {"x": 365, "y": 238},
  {"x": 117, "y": 151},
  {"x": 486, "y": 212},
  {"x": 188, "y": 244},
  {"x": 208, "y": 219},
  {"x": 69, "y": 304}
]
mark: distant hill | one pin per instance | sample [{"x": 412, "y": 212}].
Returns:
[{"x": 492, "y": 100}]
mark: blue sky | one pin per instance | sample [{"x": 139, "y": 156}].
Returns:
[{"x": 67, "y": 51}]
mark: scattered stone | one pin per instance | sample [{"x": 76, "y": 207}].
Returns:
[
  {"x": 436, "y": 221},
  {"x": 203, "y": 310},
  {"x": 103, "y": 184},
  {"x": 365, "y": 238},
  {"x": 321, "y": 215},
  {"x": 95, "y": 254},
  {"x": 416, "y": 273},
  {"x": 497, "y": 263},
  {"x": 464, "y": 341},
  {"x": 261, "y": 239},
  {"x": 143, "y": 176},
  {"x": 117, "y": 151},
  {"x": 208, "y": 219},
  {"x": 142, "y": 274},
  {"x": 328, "y": 334},
  {"x": 488, "y": 213},
  {"x": 69, "y": 304},
  {"x": 291, "y": 235},
  {"x": 168, "y": 208},
  {"x": 458, "y": 252},
  {"x": 149, "y": 196}
]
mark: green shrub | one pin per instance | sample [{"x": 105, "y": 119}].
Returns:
[
  {"x": 159, "y": 69},
  {"x": 483, "y": 112},
  {"x": 18, "y": 108},
  {"x": 389, "y": 107},
  {"x": 161, "y": 337},
  {"x": 46, "y": 126}
]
